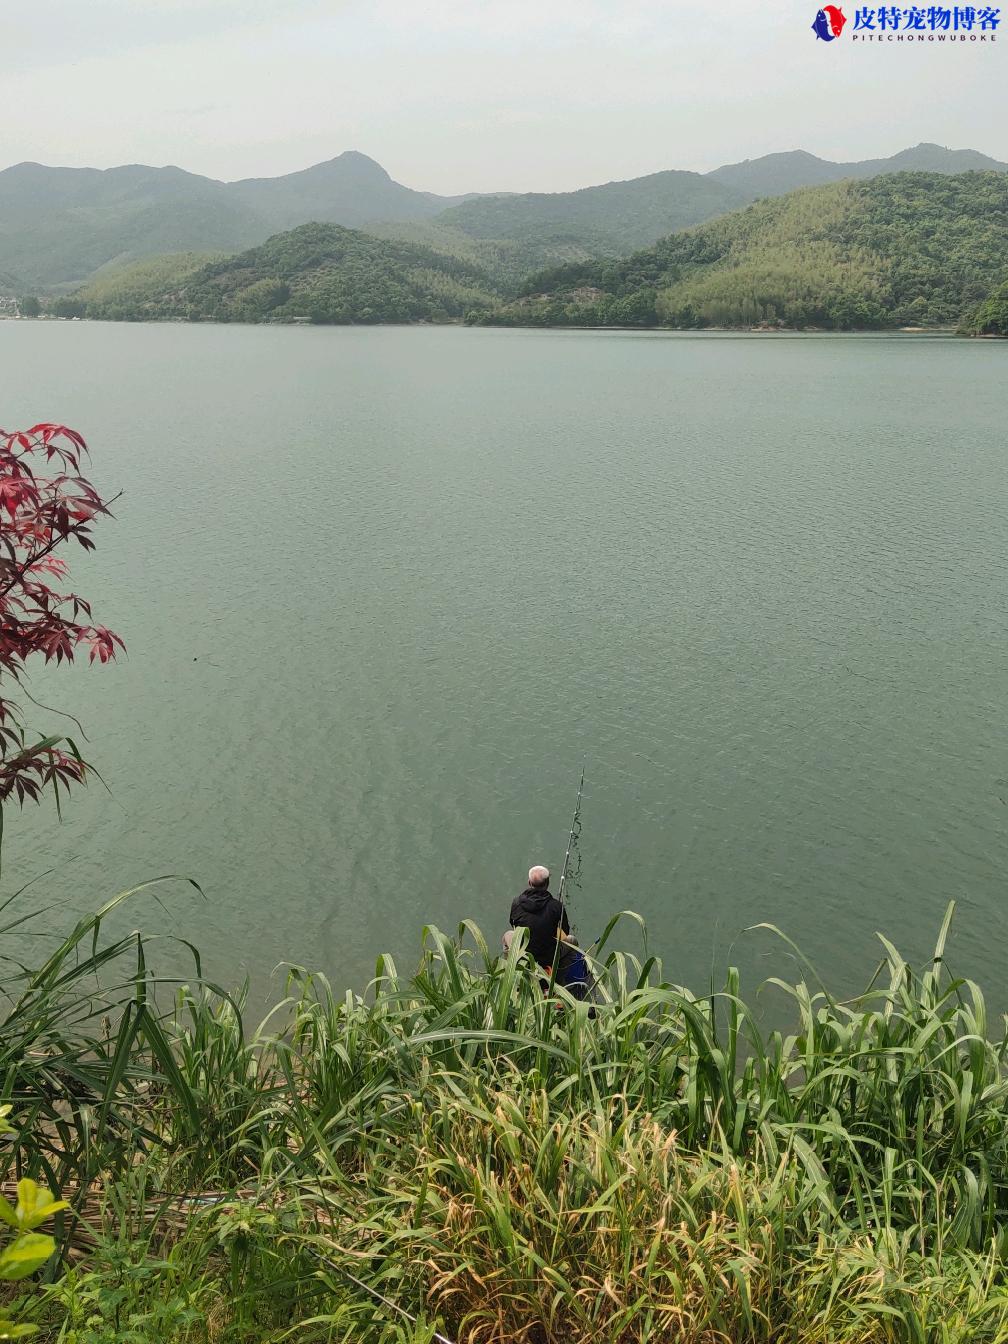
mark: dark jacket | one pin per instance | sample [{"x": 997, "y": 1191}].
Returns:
[{"x": 542, "y": 914}]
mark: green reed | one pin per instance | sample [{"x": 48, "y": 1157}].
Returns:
[{"x": 457, "y": 1146}]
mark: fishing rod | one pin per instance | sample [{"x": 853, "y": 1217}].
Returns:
[{"x": 571, "y": 838}]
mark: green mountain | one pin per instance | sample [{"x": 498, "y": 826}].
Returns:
[
  {"x": 351, "y": 190},
  {"x": 905, "y": 249},
  {"x": 612, "y": 220},
  {"x": 777, "y": 174},
  {"x": 601, "y": 221},
  {"x": 61, "y": 226},
  {"x": 317, "y": 272},
  {"x": 507, "y": 261}
]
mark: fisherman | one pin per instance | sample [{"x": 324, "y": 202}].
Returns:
[{"x": 537, "y": 910}]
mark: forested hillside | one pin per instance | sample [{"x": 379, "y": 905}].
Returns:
[
  {"x": 604, "y": 221},
  {"x": 910, "y": 249},
  {"x": 538, "y": 230},
  {"x": 506, "y": 261},
  {"x": 318, "y": 272},
  {"x": 145, "y": 289},
  {"x": 991, "y": 318},
  {"x": 907, "y": 249},
  {"x": 62, "y": 227}
]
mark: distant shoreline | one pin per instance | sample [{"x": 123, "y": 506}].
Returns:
[{"x": 531, "y": 326}]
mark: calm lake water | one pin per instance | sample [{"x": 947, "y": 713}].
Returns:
[{"x": 384, "y": 590}]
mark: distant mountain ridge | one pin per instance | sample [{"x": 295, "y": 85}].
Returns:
[
  {"x": 541, "y": 229},
  {"x": 777, "y": 174},
  {"x": 352, "y": 186},
  {"x": 61, "y": 227},
  {"x": 904, "y": 249},
  {"x": 619, "y": 217}
]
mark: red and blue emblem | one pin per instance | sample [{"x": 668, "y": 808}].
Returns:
[{"x": 829, "y": 23}]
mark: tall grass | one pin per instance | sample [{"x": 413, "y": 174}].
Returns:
[{"x": 455, "y": 1147}]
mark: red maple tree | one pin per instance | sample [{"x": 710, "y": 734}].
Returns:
[{"x": 44, "y": 503}]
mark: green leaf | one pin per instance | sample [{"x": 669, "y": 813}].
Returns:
[
  {"x": 25, "y": 1255},
  {"x": 8, "y": 1330},
  {"x": 35, "y": 1204}
]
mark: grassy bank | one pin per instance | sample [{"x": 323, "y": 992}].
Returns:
[{"x": 500, "y": 1166}]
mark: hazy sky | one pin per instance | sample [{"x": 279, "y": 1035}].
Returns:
[{"x": 474, "y": 95}]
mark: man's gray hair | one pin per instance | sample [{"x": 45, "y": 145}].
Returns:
[{"x": 538, "y": 876}]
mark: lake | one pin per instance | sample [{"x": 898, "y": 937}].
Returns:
[{"x": 385, "y": 590}]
